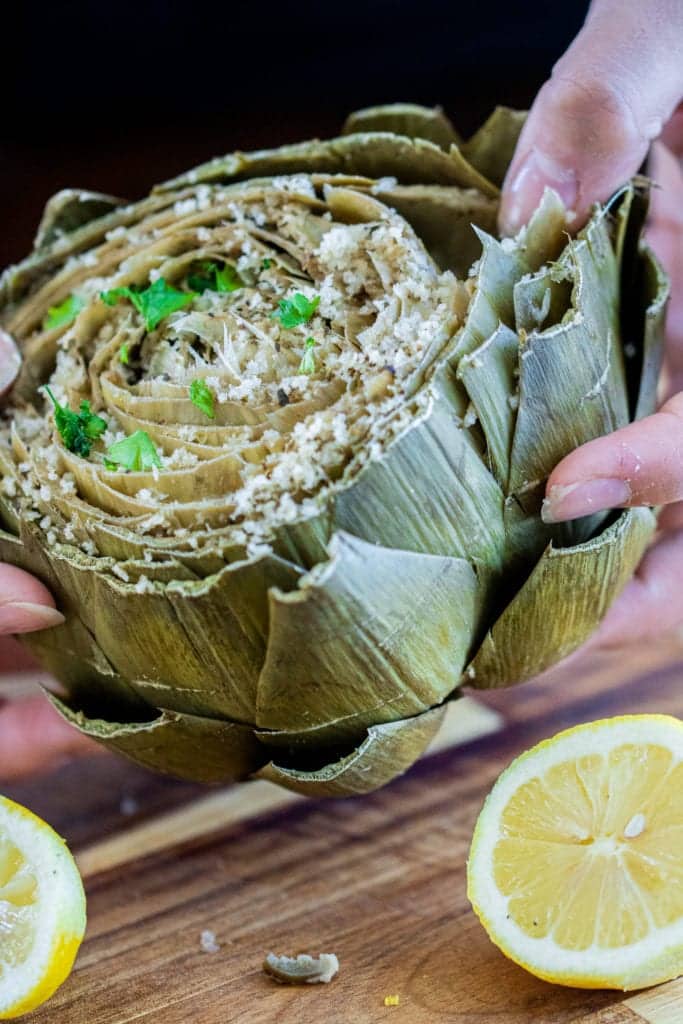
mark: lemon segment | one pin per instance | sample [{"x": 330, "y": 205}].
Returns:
[
  {"x": 42, "y": 910},
  {"x": 576, "y": 865}
]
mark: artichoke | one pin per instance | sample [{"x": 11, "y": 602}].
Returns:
[{"x": 279, "y": 441}]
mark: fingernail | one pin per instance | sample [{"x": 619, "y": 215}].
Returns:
[
  {"x": 524, "y": 191},
  {"x": 581, "y": 499},
  {"x": 25, "y": 617}
]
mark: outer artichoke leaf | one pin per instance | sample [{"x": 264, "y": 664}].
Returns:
[
  {"x": 545, "y": 236},
  {"x": 69, "y": 651},
  {"x": 374, "y": 635},
  {"x": 542, "y": 299},
  {"x": 561, "y": 603},
  {"x": 644, "y": 293},
  {"x": 443, "y": 218},
  {"x": 572, "y": 386},
  {"x": 188, "y": 746},
  {"x": 17, "y": 280},
  {"x": 469, "y": 176},
  {"x": 489, "y": 374},
  {"x": 71, "y": 209},
  {"x": 498, "y": 270},
  {"x": 491, "y": 147},
  {"x": 304, "y": 541},
  {"x": 369, "y": 154},
  {"x": 655, "y": 289},
  {"x": 409, "y": 119},
  {"x": 387, "y": 751},
  {"x": 428, "y": 492},
  {"x": 184, "y": 633}
]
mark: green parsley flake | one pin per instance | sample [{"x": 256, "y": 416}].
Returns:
[
  {"x": 266, "y": 264},
  {"x": 215, "y": 277},
  {"x": 307, "y": 364},
  {"x": 136, "y": 453},
  {"x": 63, "y": 314},
  {"x": 203, "y": 397},
  {"x": 295, "y": 311},
  {"x": 78, "y": 430},
  {"x": 153, "y": 303},
  {"x": 123, "y": 355}
]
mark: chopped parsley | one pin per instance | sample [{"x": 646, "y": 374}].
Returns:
[
  {"x": 266, "y": 264},
  {"x": 63, "y": 314},
  {"x": 295, "y": 311},
  {"x": 123, "y": 355},
  {"x": 307, "y": 364},
  {"x": 215, "y": 277},
  {"x": 136, "y": 453},
  {"x": 153, "y": 303},
  {"x": 203, "y": 397},
  {"x": 78, "y": 430}
]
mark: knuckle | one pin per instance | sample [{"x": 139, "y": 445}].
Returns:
[{"x": 595, "y": 112}]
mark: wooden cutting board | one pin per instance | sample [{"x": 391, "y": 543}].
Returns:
[{"x": 379, "y": 880}]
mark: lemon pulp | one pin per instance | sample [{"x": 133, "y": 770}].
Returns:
[
  {"x": 576, "y": 864},
  {"x": 592, "y": 851},
  {"x": 18, "y": 891},
  {"x": 42, "y": 910}
]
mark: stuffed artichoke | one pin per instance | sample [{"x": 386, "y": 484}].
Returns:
[{"x": 279, "y": 441}]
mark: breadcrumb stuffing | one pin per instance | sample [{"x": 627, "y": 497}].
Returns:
[{"x": 275, "y": 440}]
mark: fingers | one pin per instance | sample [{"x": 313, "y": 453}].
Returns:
[
  {"x": 10, "y": 362},
  {"x": 34, "y": 737},
  {"x": 25, "y": 604},
  {"x": 609, "y": 96},
  {"x": 641, "y": 464},
  {"x": 652, "y": 603}
]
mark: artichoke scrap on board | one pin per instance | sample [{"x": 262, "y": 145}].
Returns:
[{"x": 319, "y": 400}]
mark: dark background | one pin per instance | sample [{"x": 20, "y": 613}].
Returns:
[{"x": 116, "y": 96}]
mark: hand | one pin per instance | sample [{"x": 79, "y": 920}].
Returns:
[
  {"x": 616, "y": 90},
  {"x": 32, "y": 735}
]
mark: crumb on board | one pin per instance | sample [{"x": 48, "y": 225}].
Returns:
[
  {"x": 302, "y": 969},
  {"x": 207, "y": 941},
  {"x": 391, "y": 1000}
]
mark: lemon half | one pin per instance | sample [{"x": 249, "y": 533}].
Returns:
[
  {"x": 42, "y": 910},
  {"x": 576, "y": 865}
]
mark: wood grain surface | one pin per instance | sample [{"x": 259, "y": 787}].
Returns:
[{"x": 379, "y": 880}]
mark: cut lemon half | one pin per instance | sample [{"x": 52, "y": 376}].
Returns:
[
  {"x": 42, "y": 910},
  {"x": 576, "y": 865}
]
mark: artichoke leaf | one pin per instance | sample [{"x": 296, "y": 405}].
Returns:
[
  {"x": 492, "y": 146},
  {"x": 188, "y": 746},
  {"x": 572, "y": 385},
  {"x": 409, "y": 119},
  {"x": 70, "y": 209},
  {"x": 469, "y": 177},
  {"x": 443, "y": 217},
  {"x": 561, "y": 603},
  {"x": 368, "y": 657},
  {"x": 388, "y": 750},
  {"x": 429, "y": 492},
  {"x": 68, "y": 651},
  {"x": 181, "y": 635},
  {"x": 304, "y": 541},
  {"x": 655, "y": 289},
  {"x": 489, "y": 374},
  {"x": 369, "y": 154}
]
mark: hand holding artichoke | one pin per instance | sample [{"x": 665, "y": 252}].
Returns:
[{"x": 279, "y": 442}]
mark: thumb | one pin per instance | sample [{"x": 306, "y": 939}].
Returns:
[{"x": 592, "y": 123}]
